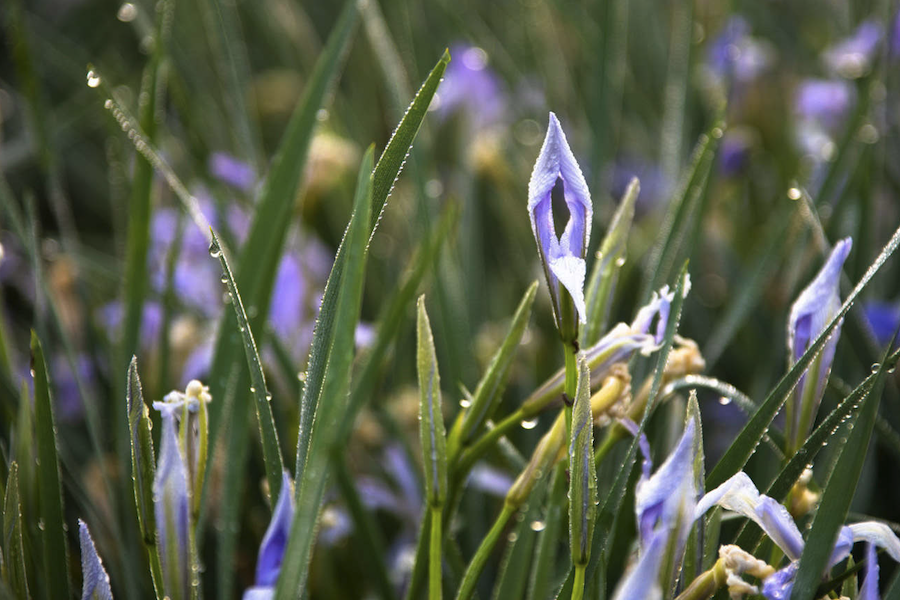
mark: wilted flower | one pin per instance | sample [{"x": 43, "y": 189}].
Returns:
[
  {"x": 95, "y": 581},
  {"x": 814, "y": 308},
  {"x": 562, "y": 256},
  {"x": 272, "y": 547},
  {"x": 852, "y": 57},
  {"x": 172, "y": 501}
]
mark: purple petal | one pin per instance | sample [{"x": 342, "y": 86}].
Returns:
[
  {"x": 825, "y": 101},
  {"x": 879, "y": 534},
  {"x": 853, "y": 56},
  {"x": 271, "y": 549},
  {"x": 883, "y": 318},
  {"x": 869, "y": 589},
  {"x": 95, "y": 584},
  {"x": 471, "y": 86},
  {"x": 643, "y": 580},
  {"x": 779, "y": 585}
]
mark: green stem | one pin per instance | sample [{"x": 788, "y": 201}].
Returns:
[
  {"x": 571, "y": 384},
  {"x": 578, "y": 587},
  {"x": 706, "y": 584},
  {"x": 471, "y": 454},
  {"x": 476, "y": 566},
  {"x": 434, "y": 562}
]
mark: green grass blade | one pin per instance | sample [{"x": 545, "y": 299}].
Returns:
[
  {"x": 386, "y": 170},
  {"x": 540, "y": 582},
  {"x": 583, "y": 478},
  {"x": 392, "y": 316},
  {"x": 394, "y": 156},
  {"x": 745, "y": 444},
  {"x": 431, "y": 419},
  {"x": 267, "y": 432},
  {"x": 50, "y": 500},
  {"x": 143, "y": 469},
  {"x": 329, "y": 406},
  {"x": 606, "y": 516},
  {"x": 675, "y": 230},
  {"x": 13, "y": 549},
  {"x": 487, "y": 394},
  {"x": 835, "y": 503},
  {"x": 607, "y": 265}
]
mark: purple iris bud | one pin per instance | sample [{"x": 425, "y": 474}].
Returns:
[
  {"x": 824, "y": 101},
  {"x": 883, "y": 319},
  {"x": 232, "y": 171},
  {"x": 95, "y": 584},
  {"x": 471, "y": 87},
  {"x": 869, "y": 589},
  {"x": 562, "y": 255},
  {"x": 852, "y": 57},
  {"x": 274, "y": 542},
  {"x": 171, "y": 504},
  {"x": 814, "y": 308}
]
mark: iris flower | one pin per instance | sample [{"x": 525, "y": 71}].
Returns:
[
  {"x": 562, "y": 255},
  {"x": 814, "y": 308}
]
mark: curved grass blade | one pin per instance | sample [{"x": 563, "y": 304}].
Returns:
[
  {"x": 386, "y": 171},
  {"x": 13, "y": 549},
  {"x": 539, "y": 583},
  {"x": 487, "y": 393},
  {"x": 606, "y": 516},
  {"x": 143, "y": 470},
  {"x": 312, "y": 475},
  {"x": 745, "y": 444},
  {"x": 50, "y": 500},
  {"x": 391, "y": 161},
  {"x": 267, "y": 432},
  {"x": 835, "y": 503},
  {"x": 607, "y": 265}
]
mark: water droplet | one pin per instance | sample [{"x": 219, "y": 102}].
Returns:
[
  {"x": 322, "y": 114},
  {"x": 93, "y": 80},
  {"x": 301, "y": 376},
  {"x": 32, "y": 373},
  {"x": 252, "y": 390},
  {"x": 794, "y": 193},
  {"x": 512, "y": 537},
  {"x": 465, "y": 403},
  {"x": 875, "y": 366},
  {"x": 724, "y": 401},
  {"x": 214, "y": 250},
  {"x": 620, "y": 261},
  {"x": 538, "y": 525},
  {"x": 717, "y": 132},
  {"x": 127, "y": 12},
  {"x": 529, "y": 424},
  {"x": 224, "y": 279},
  {"x": 269, "y": 396}
]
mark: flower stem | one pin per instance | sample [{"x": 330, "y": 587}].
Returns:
[
  {"x": 434, "y": 562},
  {"x": 571, "y": 384},
  {"x": 578, "y": 587},
  {"x": 476, "y": 566}
]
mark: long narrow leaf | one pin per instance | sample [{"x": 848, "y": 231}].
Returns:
[
  {"x": 267, "y": 431},
  {"x": 583, "y": 478},
  {"x": 835, "y": 504},
  {"x": 431, "y": 419},
  {"x": 745, "y": 444},
  {"x": 311, "y": 476},
  {"x": 50, "y": 506},
  {"x": 13, "y": 549}
]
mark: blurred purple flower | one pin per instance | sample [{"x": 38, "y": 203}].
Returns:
[
  {"x": 562, "y": 256},
  {"x": 735, "y": 56},
  {"x": 812, "y": 310},
  {"x": 734, "y": 153},
  {"x": 656, "y": 186},
  {"x": 69, "y": 403},
  {"x": 171, "y": 502},
  {"x": 853, "y": 56},
  {"x": 273, "y": 545},
  {"x": 490, "y": 480},
  {"x": 472, "y": 88},
  {"x": 95, "y": 581},
  {"x": 895, "y": 36},
  {"x": 883, "y": 319},
  {"x": 824, "y": 101},
  {"x": 112, "y": 314},
  {"x": 232, "y": 171}
]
